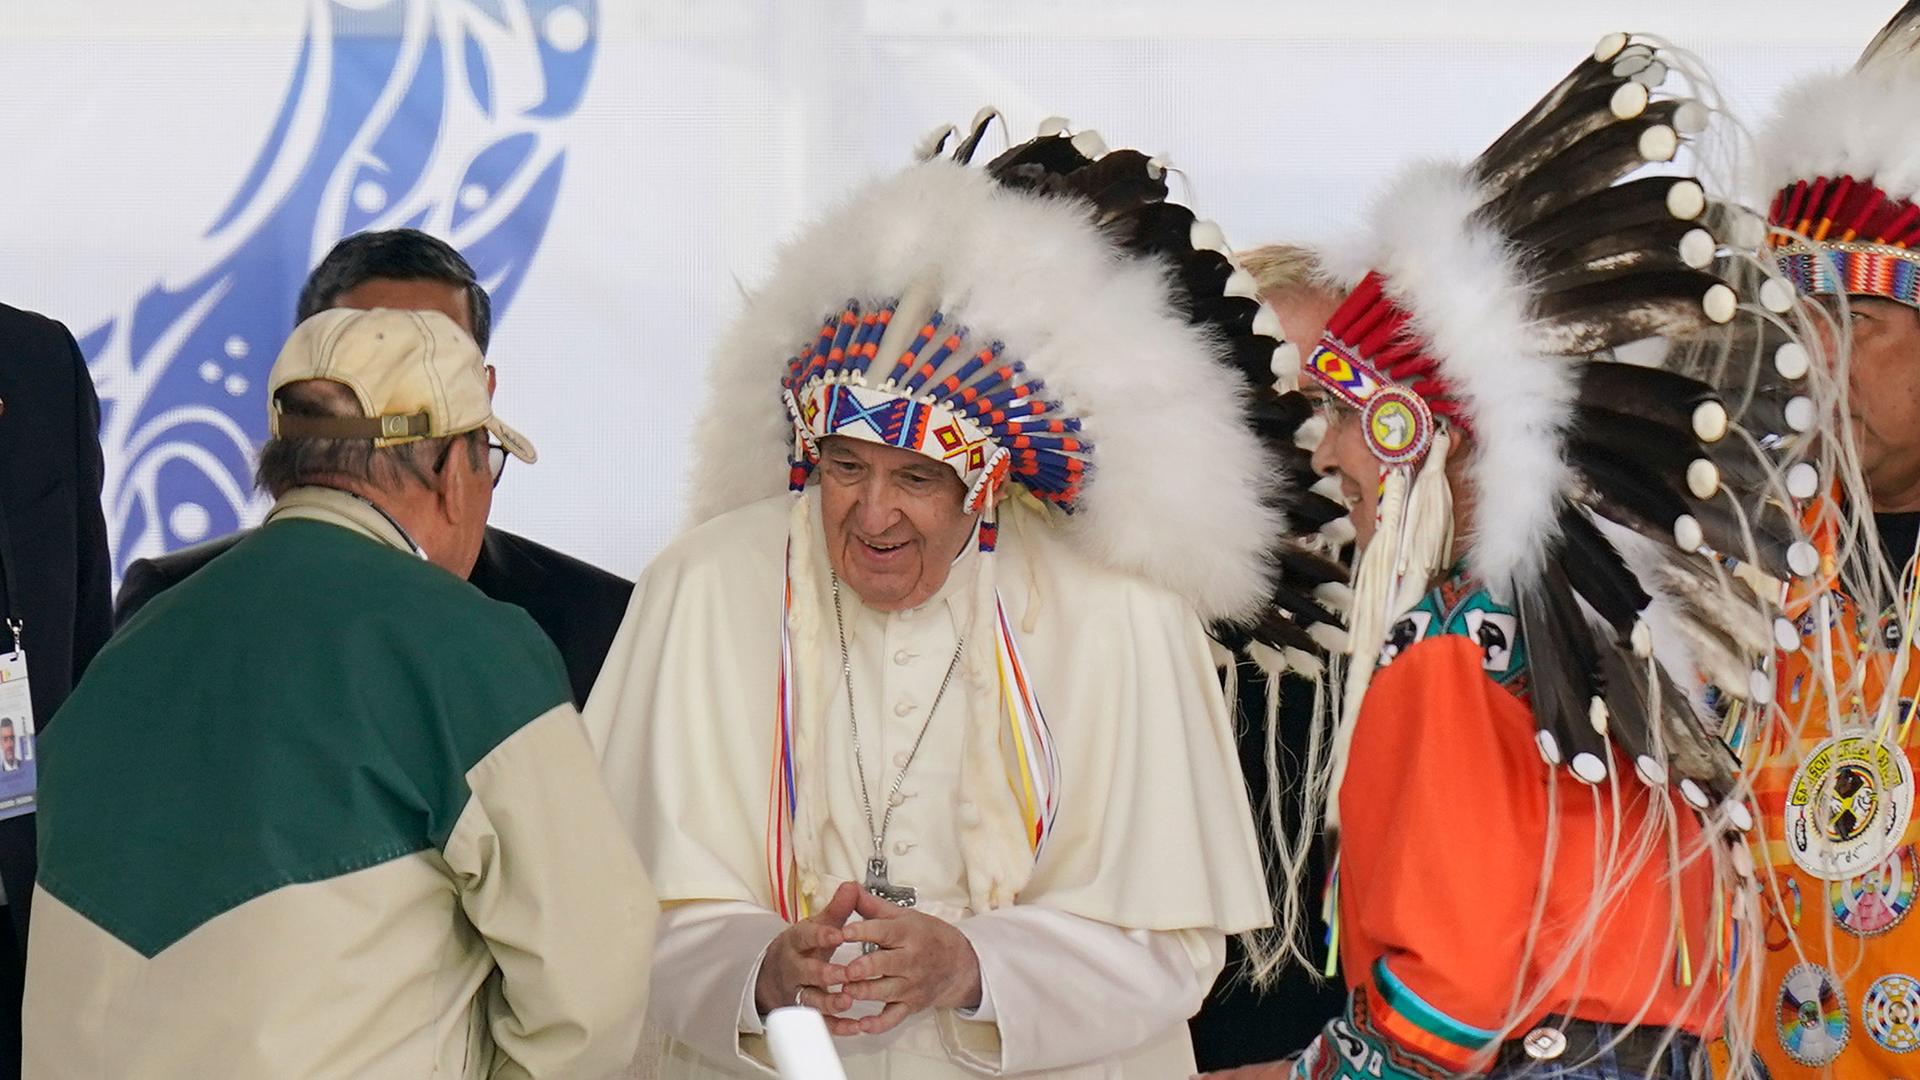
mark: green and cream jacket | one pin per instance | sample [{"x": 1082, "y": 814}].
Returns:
[{"x": 324, "y": 810}]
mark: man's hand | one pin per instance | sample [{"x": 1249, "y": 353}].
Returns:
[
  {"x": 923, "y": 963},
  {"x": 798, "y": 967}
]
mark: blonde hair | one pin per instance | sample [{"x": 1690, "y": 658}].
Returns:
[{"x": 1279, "y": 269}]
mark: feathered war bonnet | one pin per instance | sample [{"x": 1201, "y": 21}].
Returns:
[
  {"x": 1606, "y": 339},
  {"x": 1058, "y": 332},
  {"x": 1841, "y": 163}
]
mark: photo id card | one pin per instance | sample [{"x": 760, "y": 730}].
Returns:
[{"x": 18, "y": 775}]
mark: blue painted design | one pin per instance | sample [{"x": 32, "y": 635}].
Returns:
[
  {"x": 377, "y": 130},
  {"x": 479, "y": 78}
]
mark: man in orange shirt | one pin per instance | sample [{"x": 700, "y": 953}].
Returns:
[
  {"x": 1834, "y": 786},
  {"x": 1542, "y": 531}
]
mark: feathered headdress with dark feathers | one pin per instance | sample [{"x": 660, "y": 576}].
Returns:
[
  {"x": 1074, "y": 325},
  {"x": 1604, "y": 335}
]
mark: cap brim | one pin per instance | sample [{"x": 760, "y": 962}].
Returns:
[{"x": 514, "y": 442}]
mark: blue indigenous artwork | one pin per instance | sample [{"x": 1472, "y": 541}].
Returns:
[{"x": 442, "y": 115}]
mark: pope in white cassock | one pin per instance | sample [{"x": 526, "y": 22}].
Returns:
[{"x": 936, "y": 743}]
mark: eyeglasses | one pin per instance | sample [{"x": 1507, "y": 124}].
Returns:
[{"x": 496, "y": 461}]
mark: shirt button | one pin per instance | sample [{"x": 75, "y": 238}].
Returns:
[
  {"x": 903, "y": 658},
  {"x": 896, "y": 798},
  {"x": 901, "y": 847},
  {"x": 904, "y": 708},
  {"x": 901, "y": 759}
]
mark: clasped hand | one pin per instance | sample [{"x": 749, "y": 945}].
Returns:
[{"x": 921, "y": 963}]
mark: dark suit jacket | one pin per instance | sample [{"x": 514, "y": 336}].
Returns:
[
  {"x": 578, "y": 604},
  {"x": 1238, "y": 1024},
  {"x": 50, "y": 476}
]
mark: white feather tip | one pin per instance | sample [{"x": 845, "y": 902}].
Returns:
[
  {"x": 1206, "y": 236},
  {"x": 1285, "y": 362},
  {"x": 1308, "y": 435},
  {"x": 933, "y": 142},
  {"x": 1800, "y": 413},
  {"x": 1334, "y": 595},
  {"x": 1686, "y": 200},
  {"x": 1659, "y": 143},
  {"x": 1549, "y": 746},
  {"x": 1630, "y": 100},
  {"x": 1588, "y": 767},
  {"x": 1709, "y": 421},
  {"x": 1703, "y": 478},
  {"x": 1329, "y": 637},
  {"x": 1687, "y": 535},
  {"x": 1609, "y": 47},
  {"x": 1695, "y": 797},
  {"x": 1776, "y": 295},
  {"x": 1691, "y": 118},
  {"x": 1803, "y": 559},
  {"x": 1697, "y": 248},
  {"x": 1803, "y": 480},
  {"x": 1720, "y": 302},
  {"x": 1791, "y": 360},
  {"x": 1642, "y": 639}
]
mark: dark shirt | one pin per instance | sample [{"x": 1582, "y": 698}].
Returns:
[
  {"x": 1899, "y": 534},
  {"x": 577, "y": 604},
  {"x": 1238, "y": 1024}
]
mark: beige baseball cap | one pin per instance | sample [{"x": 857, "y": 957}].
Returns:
[{"x": 417, "y": 374}]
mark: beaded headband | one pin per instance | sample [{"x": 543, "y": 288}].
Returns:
[{"x": 969, "y": 408}]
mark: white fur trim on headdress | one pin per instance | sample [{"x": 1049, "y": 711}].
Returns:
[
  {"x": 1467, "y": 298},
  {"x": 1860, "y": 123},
  {"x": 1178, "y": 488}
]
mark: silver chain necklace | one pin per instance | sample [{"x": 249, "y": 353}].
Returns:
[{"x": 877, "y": 881}]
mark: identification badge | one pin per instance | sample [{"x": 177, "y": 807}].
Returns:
[{"x": 19, "y": 778}]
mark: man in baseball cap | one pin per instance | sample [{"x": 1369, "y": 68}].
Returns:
[
  {"x": 373, "y": 841},
  {"x": 416, "y": 375}
]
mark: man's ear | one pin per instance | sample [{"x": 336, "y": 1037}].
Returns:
[
  {"x": 492, "y": 381},
  {"x": 450, "y": 494}
]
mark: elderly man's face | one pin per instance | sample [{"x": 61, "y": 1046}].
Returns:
[
  {"x": 894, "y": 521},
  {"x": 1343, "y": 453},
  {"x": 1884, "y": 397}
]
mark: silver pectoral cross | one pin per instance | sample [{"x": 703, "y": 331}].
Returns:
[{"x": 877, "y": 884}]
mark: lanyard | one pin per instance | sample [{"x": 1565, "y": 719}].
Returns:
[{"x": 9, "y": 586}]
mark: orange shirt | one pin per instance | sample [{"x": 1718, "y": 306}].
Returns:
[
  {"x": 1841, "y": 987},
  {"x": 1444, "y": 826}
]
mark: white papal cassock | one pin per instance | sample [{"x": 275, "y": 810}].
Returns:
[{"x": 1120, "y": 930}]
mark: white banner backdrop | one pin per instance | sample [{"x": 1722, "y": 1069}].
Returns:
[{"x": 618, "y": 169}]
